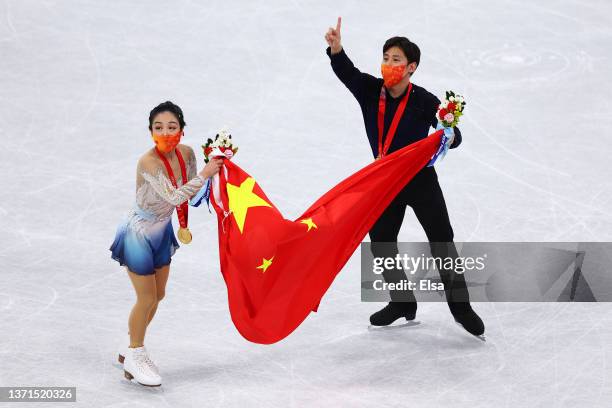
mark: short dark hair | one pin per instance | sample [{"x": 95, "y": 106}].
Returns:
[
  {"x": 167, "y": 107},
  {"x": 410, "y": 49}
]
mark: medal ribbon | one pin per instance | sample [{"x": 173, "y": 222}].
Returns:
[
  {"x": 181, "y": 210},
  {"x": 396, "y": 118}
]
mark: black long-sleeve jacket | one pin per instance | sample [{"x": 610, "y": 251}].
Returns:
[{"x": 419, "y": 116}]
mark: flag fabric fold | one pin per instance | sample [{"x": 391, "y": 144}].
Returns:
[{"x": 277, "y": 270}]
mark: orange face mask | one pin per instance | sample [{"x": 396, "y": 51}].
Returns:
[
  {"x": 392, "y": 74},
  {"x": 166, "y": 144}
]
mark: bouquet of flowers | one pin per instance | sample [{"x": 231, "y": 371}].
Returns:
[
  {"x": 449, "y": 112},
  {"x": 451, "y": 109},
  {"x": 221, "y": 146}
]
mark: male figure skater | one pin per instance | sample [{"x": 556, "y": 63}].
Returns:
[{"x": 406, "y": 112}]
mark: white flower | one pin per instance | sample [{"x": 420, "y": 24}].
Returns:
[
  {"x": 222, "y": 139},
  {"x": 223, "y": 133}
]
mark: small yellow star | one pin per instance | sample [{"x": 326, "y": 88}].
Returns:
[
  {"x": 265, "y": 264},
  {"x": 309, "y": 222}
]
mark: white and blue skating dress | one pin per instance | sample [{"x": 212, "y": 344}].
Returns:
[{"x": 145, "y": 240}]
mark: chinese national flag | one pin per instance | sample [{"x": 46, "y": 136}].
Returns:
[{"x": 277, "y": 270}]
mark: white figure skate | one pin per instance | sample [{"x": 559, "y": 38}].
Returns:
[{"x": 138, "y": 366}]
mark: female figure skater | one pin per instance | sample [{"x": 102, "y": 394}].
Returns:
[{"x": 166, "y": 178}]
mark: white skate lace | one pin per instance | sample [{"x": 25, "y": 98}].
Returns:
[
  {"x": 151, "y": 365},
  {"x": 147, "y": 360},
  {"x": 144, "y": 363}
]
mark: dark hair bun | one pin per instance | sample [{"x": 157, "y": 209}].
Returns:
[{"x": 167, "y": 107}]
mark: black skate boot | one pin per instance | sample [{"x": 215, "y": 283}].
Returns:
[
  {"x": 392, "y": 312},
  {"x": 471, "y": 322}
]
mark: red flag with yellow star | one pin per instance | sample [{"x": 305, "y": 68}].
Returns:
[{"x": 277, "y": 270}]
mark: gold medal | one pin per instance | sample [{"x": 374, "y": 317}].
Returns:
[
  {"x": 181, "y": 210},
  {"x": 184, "y": 235}
]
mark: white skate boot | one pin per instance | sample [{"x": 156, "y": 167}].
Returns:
[
  {"x": 138, "y": 366},
  {"x": 124, "y": 349}
]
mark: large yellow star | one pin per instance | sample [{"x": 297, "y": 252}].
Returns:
[
  {"x": 265, "y": 264},
  {"x": 242, "y": 198},
  {"x": 309, "y": 222}
]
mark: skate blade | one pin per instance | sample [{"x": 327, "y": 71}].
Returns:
[
  {"x": 130, "y": 377},
  {"x": 410, "y": 323},
  {"x": 481, "y": 337}
]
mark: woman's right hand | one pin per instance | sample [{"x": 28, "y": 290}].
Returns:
[{"x": 212, "y": 167}]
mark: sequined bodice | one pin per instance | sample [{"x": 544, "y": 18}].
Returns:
[
  {"x": 151, "y": 201},
  {"x": 156, "y": 197}
]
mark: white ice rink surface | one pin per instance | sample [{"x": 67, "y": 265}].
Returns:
[{"x": 77, "y": 80}]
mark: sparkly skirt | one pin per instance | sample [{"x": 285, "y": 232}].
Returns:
[{"x": 143, "y": 243}]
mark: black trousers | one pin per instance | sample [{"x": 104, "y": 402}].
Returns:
[{"x": 424, "y": 195}]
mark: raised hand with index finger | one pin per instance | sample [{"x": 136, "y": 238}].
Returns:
[{"x": 333, "y": 37}]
